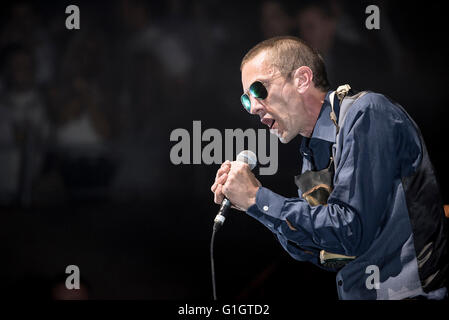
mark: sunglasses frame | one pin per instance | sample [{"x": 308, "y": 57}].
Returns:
[
  {"x": 264, "y": 83},
  {"x": 251, "y": 91}
]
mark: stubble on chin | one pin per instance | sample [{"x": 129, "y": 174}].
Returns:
[
  {"x": 275, "y": 132},
  {"x": 279, "y": 135}
]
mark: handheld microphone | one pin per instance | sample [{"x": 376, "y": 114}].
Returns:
[{"x": 246, "y": 156}]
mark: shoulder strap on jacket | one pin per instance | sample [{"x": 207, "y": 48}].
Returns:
[
  {"x": 346, "y": 101},
  {"x": 341, "y": 92}
]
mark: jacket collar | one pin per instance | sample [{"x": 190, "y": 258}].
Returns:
[{"x": 324, "y": 127}]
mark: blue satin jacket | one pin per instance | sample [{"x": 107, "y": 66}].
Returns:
[{"x": 385, "y": 207}]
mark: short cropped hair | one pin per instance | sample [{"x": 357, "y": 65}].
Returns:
[{"x": 287, "y": 53}]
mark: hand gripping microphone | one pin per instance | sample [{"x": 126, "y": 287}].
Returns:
[{"x": 245, "y": 156}]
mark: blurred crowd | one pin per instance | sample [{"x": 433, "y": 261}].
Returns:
[{"x": 88, "y": 112}]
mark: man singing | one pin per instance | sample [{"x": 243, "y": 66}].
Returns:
[{"x": 368, "y": 198}]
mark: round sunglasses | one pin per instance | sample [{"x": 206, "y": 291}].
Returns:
[{"x": 257, "y": 90}]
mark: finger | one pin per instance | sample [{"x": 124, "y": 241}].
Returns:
[
  {"x": 220, "y": 172},
  {"x": 223, "y": 169},
  {"x": 218, "y": 195},
  {"x": 224, "y": 189},
  {"x": 225, "y": 164},
  {"x": 220, "y": 180}
]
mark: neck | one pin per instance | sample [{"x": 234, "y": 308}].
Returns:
[{"x": 314, "y": 101}]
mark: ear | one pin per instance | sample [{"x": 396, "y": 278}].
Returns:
[{"x": 302, "y": 78}]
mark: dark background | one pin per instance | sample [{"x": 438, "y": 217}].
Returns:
[{"x": 85, "y": 121}]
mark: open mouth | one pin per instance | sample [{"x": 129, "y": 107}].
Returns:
[{"x": 268, "y": 122}]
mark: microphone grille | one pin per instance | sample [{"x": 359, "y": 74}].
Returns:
[{"x": 249, "y": 157}]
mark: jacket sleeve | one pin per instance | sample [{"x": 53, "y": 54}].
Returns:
[{"x": 364, "y": 181}]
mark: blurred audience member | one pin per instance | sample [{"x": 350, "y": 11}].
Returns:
[
  {"x": 81, "y": 131},
  {"x": 153, "y": 67},
  {"x": 79, "y": 123},
  {"x": 146, "y": 36},
  {"x": 78, "y": 98},
  {"x": 317, "y": 25},
  {"x": 350, "y": 52},
  {"x": 274, "y": 20},
  {"x": 24, "y": 127},
  {"x": 25, "y": 26}
]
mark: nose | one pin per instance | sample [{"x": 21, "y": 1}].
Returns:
[{"x": 256, "y": 106}]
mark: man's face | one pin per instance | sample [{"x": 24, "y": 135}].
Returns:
[{"x": 281, "y": 110}]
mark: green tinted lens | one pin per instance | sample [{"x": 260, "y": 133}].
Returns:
[
  {"x": 246, "y": 102},
  {"x": 258, "y": 90}
]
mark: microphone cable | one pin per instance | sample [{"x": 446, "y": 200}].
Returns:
[
  {"x": 214, "y": 288},
  {"x": 218, "y": 223},
  {"x": 250, "y": 158}
]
